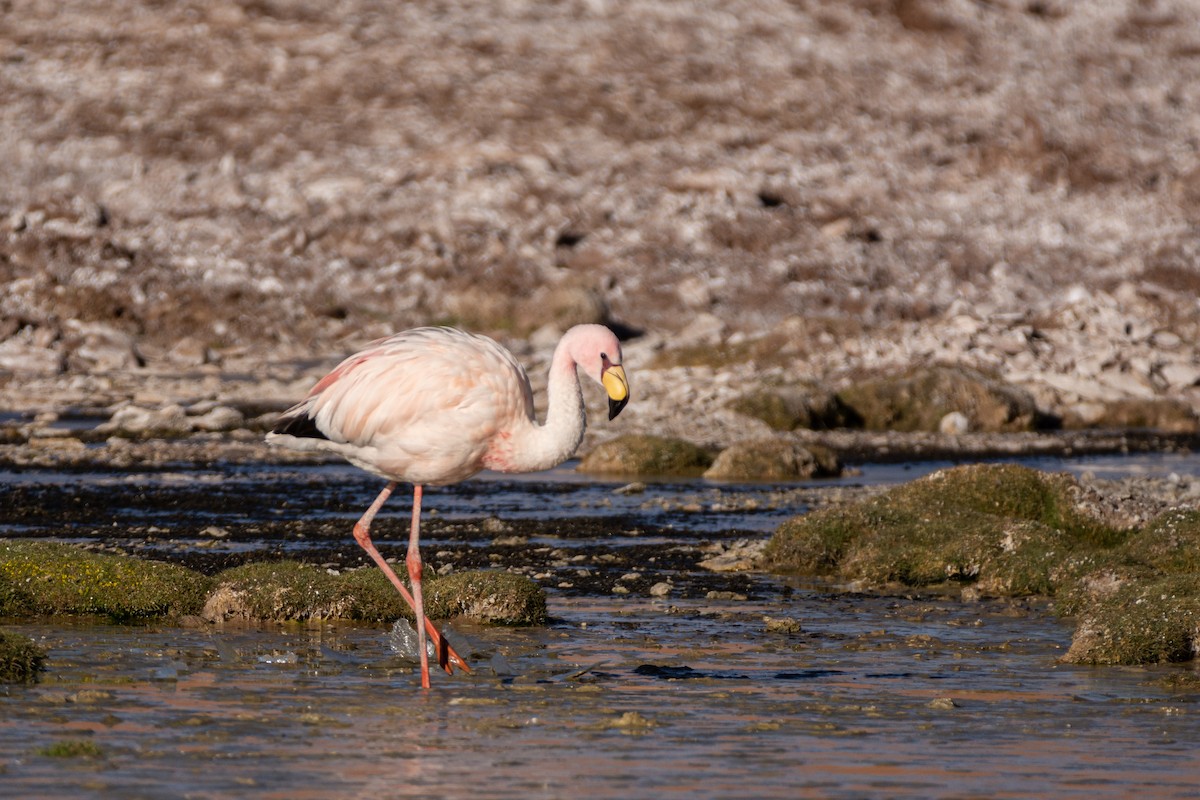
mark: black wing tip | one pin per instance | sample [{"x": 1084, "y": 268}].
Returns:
[{"x": 301, "y": 426}]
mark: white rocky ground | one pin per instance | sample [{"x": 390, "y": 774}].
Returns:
[{"x": 213, "y": 201}]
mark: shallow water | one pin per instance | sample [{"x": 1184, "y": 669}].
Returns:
[{"x": 620, "y": 696}]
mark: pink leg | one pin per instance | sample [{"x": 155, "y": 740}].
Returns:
[
  {"x": 447, "y": 658},
  {"x": 413, "y": 561}
]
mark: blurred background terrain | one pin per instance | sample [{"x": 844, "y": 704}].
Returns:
[{"x": 765, "y": 189}]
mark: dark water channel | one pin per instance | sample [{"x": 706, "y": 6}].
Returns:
[{"x": 624, "y": 694}]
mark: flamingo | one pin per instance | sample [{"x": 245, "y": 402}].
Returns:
[{"x": 434, "y": 406}]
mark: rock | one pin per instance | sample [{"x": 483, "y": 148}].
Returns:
[
  {"x": 704, "y": 329},
  {"x": 782, "y": 625},
  {"x": 143, "y": 423},
  {"x": 638, "y": 454},
  {"x": 1162, "y": 414},
  {"x": 1008, "y": 529},
  {"x": 1169, "y": 543},
  {"x": 918, "y": 400},
  {"x": 954, "y": 424},
  {"x": 221, "y": 418},
  {"x": 1142, "y": 622},
  {"x": 97, "y": 347},
  {"x": 39, "y": 577},
  {"x": 1179, "y": 375},
  {"x": 190, "y": 352},
  {"x": 289, "y": 590},
  {"x": 773, "y": 460},
  {"x": 739, "y": 556},
  {"x": 800, "y": 406},
  {"x": 29, "y": 359},
  {"x": 631, "y": 722}
]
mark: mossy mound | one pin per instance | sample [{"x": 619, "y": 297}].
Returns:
[
  {"x": 494, "y": 596},
  {"x": 1143, "y": 607},
  {"x": 638, "y": 454},
  {"x": 280, "y": 590},
  {"x": 1141, "y": 622},
  {"x": 49, "y": 578},
  {"x": 1169, "y": 543},
  {"x": 1008, "y": 529},
  {"x": 292, "y": 591},
  {"x": 795, "y": 407},
  {"x": 918, "y": 401},
  {"x": 773, "y": 460},
  {"x": 1013, "y": 531},
  {"x": 20, "y": 659}
]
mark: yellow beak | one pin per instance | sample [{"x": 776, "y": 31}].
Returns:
[{"x": 617, "y": 386}]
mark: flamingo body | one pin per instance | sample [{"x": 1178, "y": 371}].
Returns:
[
  {"x": 421, "y": 407},
  {"x": 433, "y": 406}
]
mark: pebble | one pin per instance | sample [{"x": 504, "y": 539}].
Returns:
[
  {"x": 661, "y": 589},
  {"x": 786, "y": 625}
]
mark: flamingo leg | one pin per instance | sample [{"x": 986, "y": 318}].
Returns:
[
  {"x": 413, "y": 562},
  {"x": 447, "y": 657}
]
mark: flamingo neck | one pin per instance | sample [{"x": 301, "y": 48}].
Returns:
[{"x": 545, "y": 446}]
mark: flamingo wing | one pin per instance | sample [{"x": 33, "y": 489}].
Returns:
[{"x": 421, "y": 406}]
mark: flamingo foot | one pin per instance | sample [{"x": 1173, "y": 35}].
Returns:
[{"x": 448, "y": 658}]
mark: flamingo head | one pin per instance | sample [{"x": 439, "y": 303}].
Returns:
[{"x": 597, "y": 351}]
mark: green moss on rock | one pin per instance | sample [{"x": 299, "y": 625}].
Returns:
[
  {"x": 774, "y": 460},
  {"x": 279, "y": 590},
  {"x": 1141, "y": 622},
  {"x": 1006, "y": 528},
  {"x": 1170, "y": 543},
  {"x": 493, "y": 596},
  {"x": 639, "y": 454},
  {"x": 38, "y": 577},
  {"x": 20, "y": 659},
  {"x": 1013, "y": 531},
  {"x": 292, "y": 591}
]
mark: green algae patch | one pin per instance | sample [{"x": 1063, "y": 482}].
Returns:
[
  {"x": 639, "y": 454},
  {"x": 493, "y": 597},
  {"x": 72, "y": 748},
  {"x": 293, "y": 591},
  {"x": 773, "y": 460},
  {"x": 1008, "y": 530},
  {"x": 38, "y": 577},
  {"x": 20, "y": 659},
  {"x": 918, "y": 400}
]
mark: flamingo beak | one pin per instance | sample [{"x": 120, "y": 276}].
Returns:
[{"x": 617, "y": 386}]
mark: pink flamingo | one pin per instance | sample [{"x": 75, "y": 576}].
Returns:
[{"x": 433, "y": 406}]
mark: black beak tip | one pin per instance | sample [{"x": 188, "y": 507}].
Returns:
[{"x": 615, "y": 406}]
